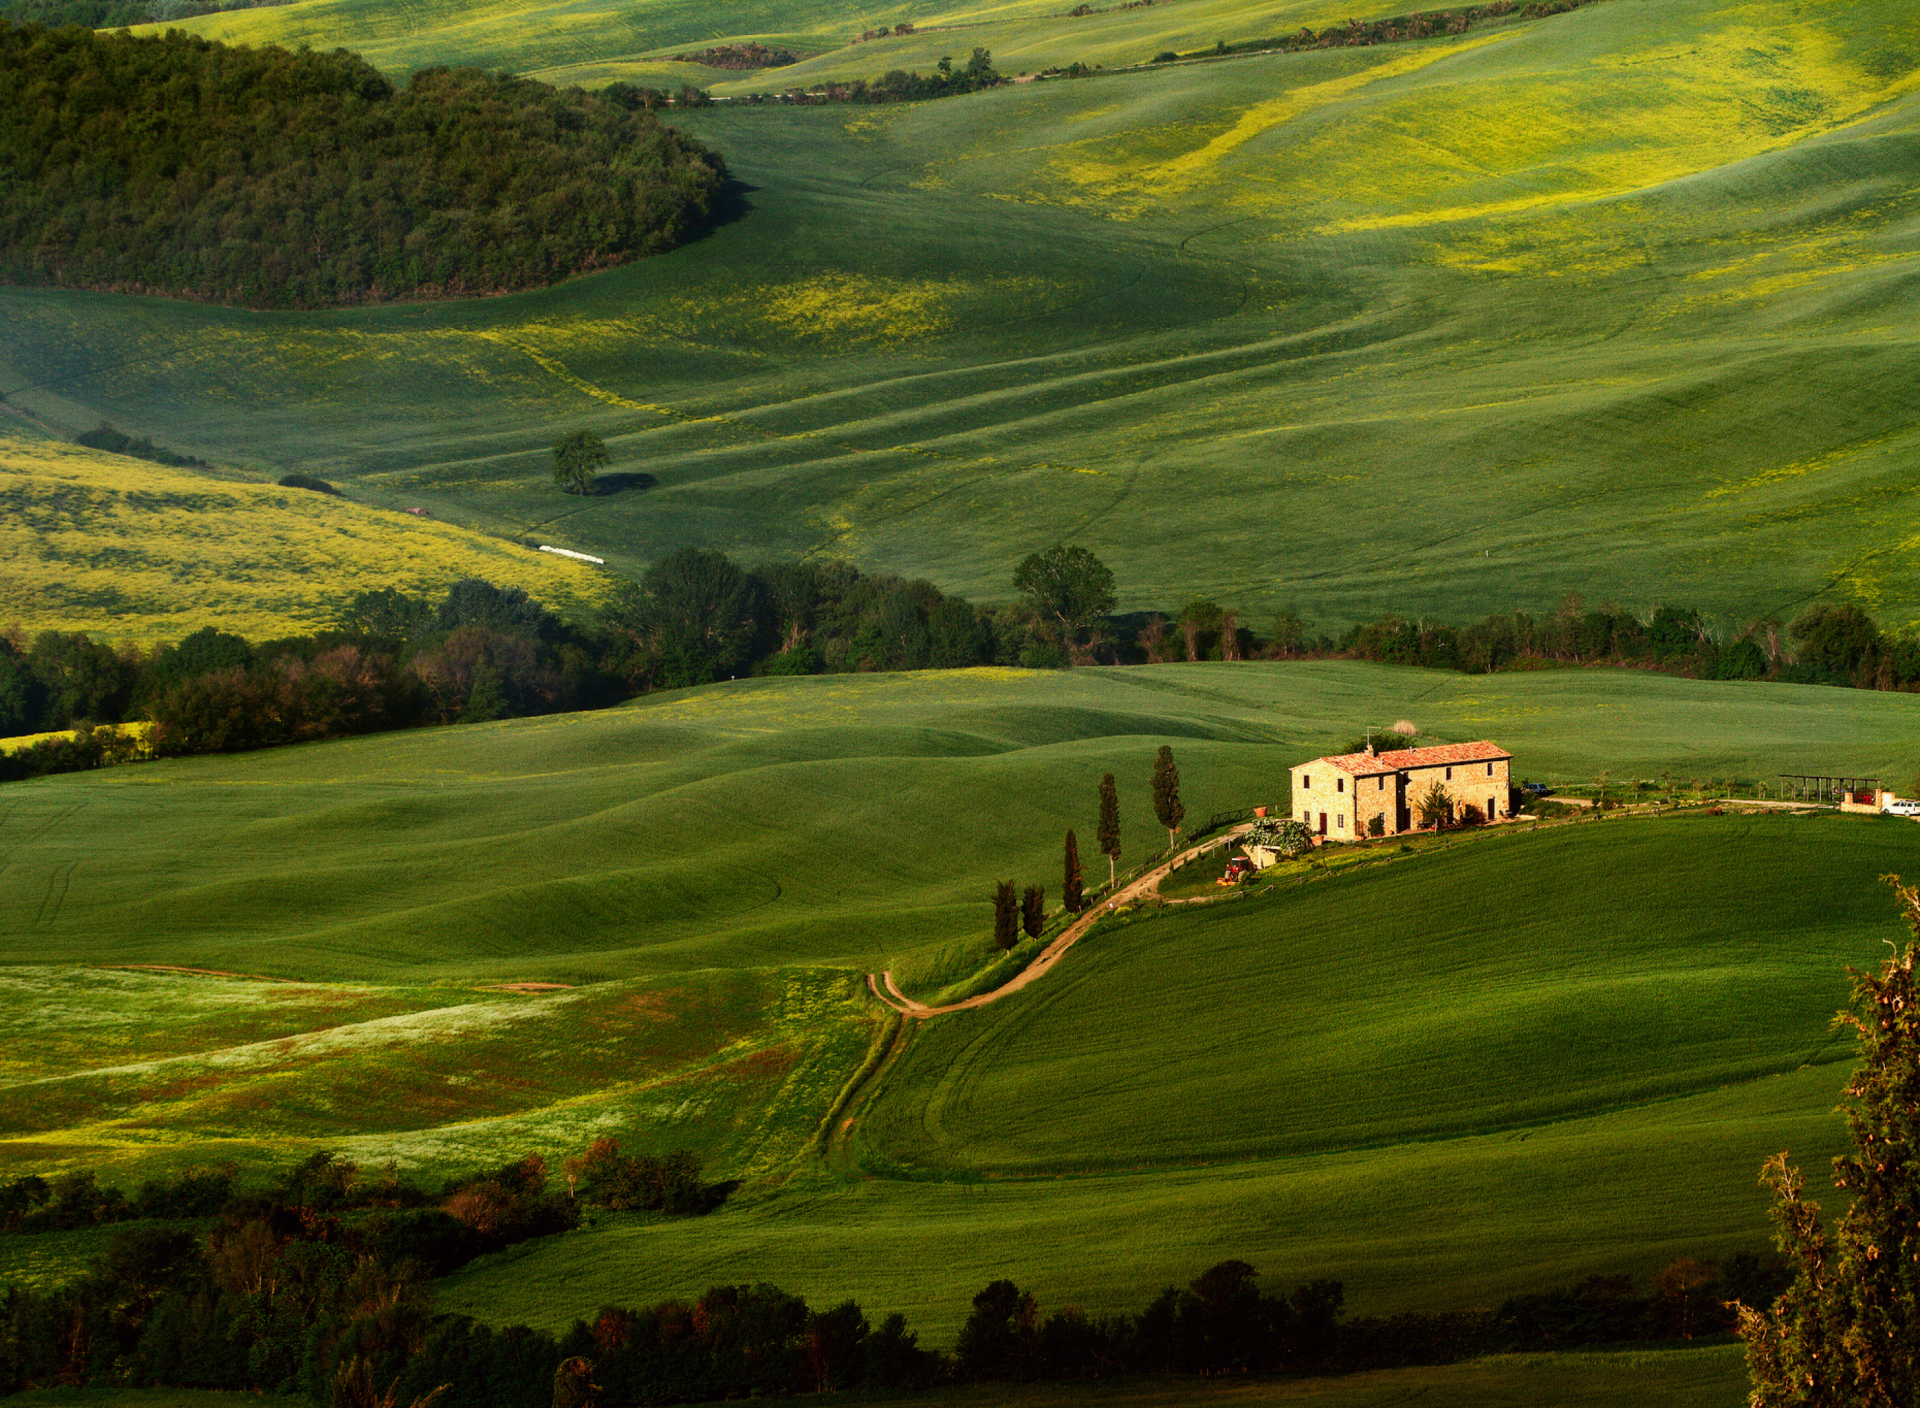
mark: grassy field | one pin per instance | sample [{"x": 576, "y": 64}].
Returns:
[
  {"x": 1619, "y": 301},
  {"x": 1440, "y": 1081},
  {"x": 1484, "y": 988},
  {"x": 592, "y": 42},
  {"x": 852, "y": 818},
  {"x": 1594, "y": 1033},
  {"x": 129, "y": 550},
  {"x": 130, "y": 1072}
]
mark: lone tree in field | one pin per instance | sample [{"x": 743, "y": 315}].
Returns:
[
  {"x": 1033, "y": 910},
  {"x": 1070, "y": 889},
  {"x": 1846, "y": 1333},
  {"x": 1006, "y": 915},
  {"x": 577, "y": 457},
  {"x": 1435, "y": 807},
  {"x": 1109, "y": 833},
  {"x": 1068, "y": 588},
  {"x": 1166, "y": 794}
]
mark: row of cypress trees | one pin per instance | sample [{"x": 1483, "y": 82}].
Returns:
[{"x": 1027, "y": 914}]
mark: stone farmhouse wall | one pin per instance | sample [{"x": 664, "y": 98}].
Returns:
[{"x": 1338, "y": 797}]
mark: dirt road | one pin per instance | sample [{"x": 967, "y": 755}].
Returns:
[{"x": 883, "y": 986}]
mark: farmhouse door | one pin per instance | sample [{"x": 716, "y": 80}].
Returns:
[{"x": 1323, "y": 823}]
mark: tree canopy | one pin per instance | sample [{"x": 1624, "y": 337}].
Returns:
[
  {"x": 1167, "y": 805},
  {"x": 694, "y": 610},
  {"x": 577, "y": 457},
  {"x": 1108, "y": 832},
  {"x": 1846, "y": 1333},
  {"x": 1068, "y": 587},
  {"x": 269, "y": 178}
]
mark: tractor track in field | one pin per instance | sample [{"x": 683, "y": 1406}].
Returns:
[
  {"x": 59, "y": 880},
  {"x": 883, "y": 987}
]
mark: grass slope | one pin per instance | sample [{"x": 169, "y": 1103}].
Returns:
[
  {"x": 1585, "y": 1074},
  {"x": 1501, "y": 985},
  {"x": 591, "y": 42},
  {"x": 1452, "y": 1223},
  {"x": 1618, "y": 301},
  {"x": 1442, "y": 1081},
  {"x": 133, "y": 1072},
  {"x": 847, "y": 818},
  {"x": 129, "y": 550}
]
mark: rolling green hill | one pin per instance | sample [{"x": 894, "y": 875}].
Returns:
[
  {"x": 1444, "y": 1079},
  {"x": 592, "y": 42},
  {"x": 1500, "y": 985},
  {"x": 1618, "y": 301},
  {"x": 1508, "y": 1067},
  {"x": 855, "y": 819}
]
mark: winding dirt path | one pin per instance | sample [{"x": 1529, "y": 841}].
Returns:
[{"x": 884, "y": 988}]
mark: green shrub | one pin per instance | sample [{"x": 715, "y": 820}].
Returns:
[{"x": 306, "y": 481}]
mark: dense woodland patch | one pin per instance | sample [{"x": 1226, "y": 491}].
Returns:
[{"x": 271, "y": 178}]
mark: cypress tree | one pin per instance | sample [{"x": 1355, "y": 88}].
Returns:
[
  {"x": 1166, "y": 794},
  {"x": 1847, "y": 1331},
  {"x": 1070, "y": 887},
  {"x": 1033, "y": 910},
  {"x": 1006, "y": 915},
  {"x": 1109, "y": 832}
]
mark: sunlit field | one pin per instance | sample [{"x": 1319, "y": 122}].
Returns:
[{"x": 1615, "y": 301}]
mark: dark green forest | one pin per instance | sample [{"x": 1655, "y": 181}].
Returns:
[{"x": 268, "y": 178}]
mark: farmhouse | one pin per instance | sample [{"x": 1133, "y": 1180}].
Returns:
[{"x": 1340, "y": 797}]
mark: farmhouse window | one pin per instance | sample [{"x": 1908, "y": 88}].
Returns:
[
  {"x": 1340, "y": 822},
  {"x": 1449, "y": 774},
  {"x": 1489, "y": 769},
  {"x": 1340, "y": 784}
]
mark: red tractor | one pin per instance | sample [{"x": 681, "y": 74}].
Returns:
[{"x": 1238, "y": 869}]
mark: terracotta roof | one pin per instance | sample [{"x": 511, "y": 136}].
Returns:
[{"x": 1446, "y": 755}]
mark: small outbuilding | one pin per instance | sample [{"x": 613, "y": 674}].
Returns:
[{"x": 1339, "y": 797}]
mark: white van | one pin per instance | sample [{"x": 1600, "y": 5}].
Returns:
[{"x": 1902, "y": 806}]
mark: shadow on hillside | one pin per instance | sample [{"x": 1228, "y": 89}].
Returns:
[
  {"x": 731, "y": 205},
  {"x": 621, "y": 483}
]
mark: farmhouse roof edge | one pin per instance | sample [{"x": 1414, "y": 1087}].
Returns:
[{"x": 1402, "y": 759}]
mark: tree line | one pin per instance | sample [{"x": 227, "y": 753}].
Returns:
[
  {"x": 288, "y": 1288},
  {"x": 322, "y": 1286},
  {"x": 272, "y": 178},
  {"x": 393, "y": 660},
  {"x": 1420, "y": 24},
  {"x": 896, "y": 85},
  {"x": 1826, "y": 644}
]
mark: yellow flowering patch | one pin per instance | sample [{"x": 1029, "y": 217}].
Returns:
[{"x": 128, "y": 550}]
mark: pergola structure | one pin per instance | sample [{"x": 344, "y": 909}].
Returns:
[{"x": 1809, "y": 787}]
